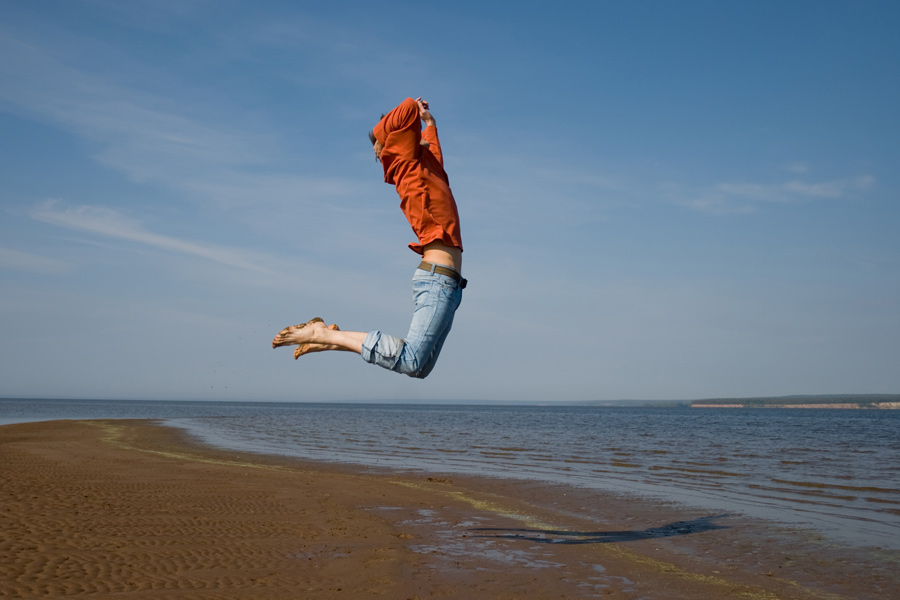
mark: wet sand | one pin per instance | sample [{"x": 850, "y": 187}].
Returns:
[{"x": 131, "y": 509}]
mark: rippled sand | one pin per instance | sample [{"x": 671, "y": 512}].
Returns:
[{"x": 130, "y": 509}]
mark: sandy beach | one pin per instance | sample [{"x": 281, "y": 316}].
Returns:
[{"x": 131, "y": 509}]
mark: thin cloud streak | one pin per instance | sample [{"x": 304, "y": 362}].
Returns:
[
  {"x": 31, "y": 263},
  {"x": 129, "y": 121},
  {"x": 734, "y": 198},
  {"x": 141, "y": 134},
  {"x": 236, "y": 190},
  {"x": 160, "y": 139},
  {"x": 111, "y": 223}
]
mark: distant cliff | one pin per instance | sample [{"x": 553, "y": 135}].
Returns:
[{"x": 851, "y": 401}]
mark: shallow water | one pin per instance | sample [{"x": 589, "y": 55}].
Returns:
[{"x": 837, "y": 471}]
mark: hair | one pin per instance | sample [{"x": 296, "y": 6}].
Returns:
[{"x": 372, "y": 131}]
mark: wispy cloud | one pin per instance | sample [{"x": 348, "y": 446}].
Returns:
[
  {"x": 744, "y": 197},
  {"x": 142, "y": 133},
  {"x": 32, "y": 263},
  {"x": 344, "y": 56},
  {"x": 236, "y": 190},
  {"x": 799, "y": 168},
  {"x": 150, "y": 132},
  {"x": 111, "y": 223},
  {"x": 830, "y": 189},
  {"x": 318, "y": 283}
]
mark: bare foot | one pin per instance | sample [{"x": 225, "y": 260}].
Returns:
[
  {"x": 314, "y": 347},
  {"x": 297, "y": 334}
]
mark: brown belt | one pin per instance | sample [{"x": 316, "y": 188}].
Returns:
[{"x": 427, "y": 266}]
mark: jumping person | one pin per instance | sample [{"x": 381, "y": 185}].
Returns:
[{"x": 413, "y": 162}]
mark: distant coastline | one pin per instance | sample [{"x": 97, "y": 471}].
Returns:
[{"x": 850, "y": 402}]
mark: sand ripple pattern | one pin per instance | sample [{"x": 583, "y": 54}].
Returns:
[
  {"x": 131, "y": 510},
  {"x": 73, "y": 524}
]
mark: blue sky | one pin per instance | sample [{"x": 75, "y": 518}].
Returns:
[{"x": 659, "y": 200}]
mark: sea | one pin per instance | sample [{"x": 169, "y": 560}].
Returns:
[{"x": 836, "y": 472}]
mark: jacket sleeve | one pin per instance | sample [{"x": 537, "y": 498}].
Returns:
[
  {"x": 401, "y": 117},
  {"x": 430, "y": 135},
  {"x": 400, "y": 130}
]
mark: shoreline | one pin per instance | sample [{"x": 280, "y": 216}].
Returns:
[
  {"x": 810, "y": 405},
  {"x": 110, "y": 507}
]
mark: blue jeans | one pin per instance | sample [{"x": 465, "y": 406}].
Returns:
[{"x": 436, "y": 297}]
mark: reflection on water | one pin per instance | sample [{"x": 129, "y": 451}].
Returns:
[
  {"x": 836, "y": 470},
  {"x": 559, "y": 536}
]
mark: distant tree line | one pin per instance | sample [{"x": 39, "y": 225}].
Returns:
[{"x": 862, "y": 400}]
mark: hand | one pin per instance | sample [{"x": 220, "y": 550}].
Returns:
[
  {"x": 423, "y": 111},
  {"x": 377, "y": 147}
]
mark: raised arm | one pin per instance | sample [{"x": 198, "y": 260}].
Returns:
[{"x": 429, "y": 134}]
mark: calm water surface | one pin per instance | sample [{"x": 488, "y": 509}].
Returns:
[{"x": 837, "y": 471}]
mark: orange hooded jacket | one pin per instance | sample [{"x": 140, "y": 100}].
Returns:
[{"x": 418, "y": 172}]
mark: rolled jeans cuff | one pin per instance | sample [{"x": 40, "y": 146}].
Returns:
[{"x": 389, "y": 349}]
